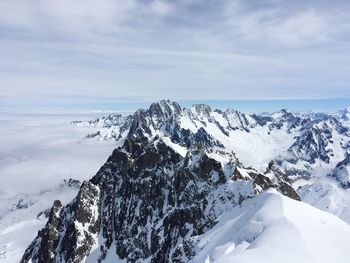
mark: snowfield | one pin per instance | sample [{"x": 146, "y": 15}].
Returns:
[{"x": 273, "y": 228}]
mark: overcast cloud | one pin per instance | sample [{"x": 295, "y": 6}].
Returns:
[
  {"x": 39, "y": 151},
  {"x": 239, "y": 49}
]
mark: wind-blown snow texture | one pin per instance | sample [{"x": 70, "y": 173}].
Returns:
[
  {"x": 183, "y": 178},
  {"x": 272, "y": 228}
]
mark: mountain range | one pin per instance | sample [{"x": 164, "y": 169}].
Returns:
[{"x": 207, "y": 185}]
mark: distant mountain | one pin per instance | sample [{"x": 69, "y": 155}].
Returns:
[
  {"x": 344, "y": 115},
  {"x": 204, "y": 185},
  {"x": 298, "y": 142},
  {"x": 306, "y": 146}
]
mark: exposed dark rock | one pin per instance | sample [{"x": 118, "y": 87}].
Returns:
[
  {"x": 341, "y": 172},
  {"x": 261, "y": 181},
  {"x": 70, "y": 231},
  {"x": 286, "y": 189},
  {"x": 43, "y": 247},
  {"x": 282, "y": 183},
  {"x": 146, "y": 202}
]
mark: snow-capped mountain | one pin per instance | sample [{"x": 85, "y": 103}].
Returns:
[
  {"x": 299, "y": 143},
  {"x": 203, "y": 185},
  {"x": 148, "y": 203},
  {"x": 341, "y": 172},
  {"x": 305, "y": 146},
  {"x": 344, "y": 115}
]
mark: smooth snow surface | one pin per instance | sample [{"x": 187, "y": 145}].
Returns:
[{"x": 273, "y": 228}]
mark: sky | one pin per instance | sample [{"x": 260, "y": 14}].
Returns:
[{"x": 182, "y": 50}]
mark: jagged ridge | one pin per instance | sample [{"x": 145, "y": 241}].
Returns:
[{"x": 148, "y": 203}]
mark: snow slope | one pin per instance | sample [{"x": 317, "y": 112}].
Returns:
[
  {"x": 328, "y": 196},
  {"x": 273, "y": 228}
]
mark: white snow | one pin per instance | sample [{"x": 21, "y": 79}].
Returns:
[
  {"x": 188, "y": 124},
  {"x": 273, "y": 228},
  {"x": 326, "y": 194},
  {"x": 255, "y": 148},
  {"x": 176, "y": 147}
]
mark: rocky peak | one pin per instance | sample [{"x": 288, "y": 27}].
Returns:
[
  {"x": 287, "y": 115},
  {"x": 70, "y": 231},
  {"x": 341, "y": 172},
  {"x": 262, "y": 120},
  {"x": 165, "y": 109},
  {"x": 344, "y": 115},
  {"x": 315, "y": 140},
  {"x": 20, "y": 201},
  {"x": 236, "y": 119},
  {"x": 285, "y": 118},
  {"x": 108, "y": 121},
  {"x": 327, "y": 122},
  {"x": 201, "y": 110}
]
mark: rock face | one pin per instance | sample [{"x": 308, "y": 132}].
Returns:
[
  {"x": 70, "y": 231},
  {"x": 148, "y": 203},
  {"x": 314, "y": 140},
  {"x": 341, "y": 172},
  {"x": 283, "y": 184},
  {"x": 42, "y": 248}
]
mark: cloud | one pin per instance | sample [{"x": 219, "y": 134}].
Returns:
[
  {"x": 161, "y": 7},
  {"x": 275, "y": 26},
  {"x": 40, "y": 150},
  {"x": 136, "y": 48},
  {"x": 302, "y": 28}
]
